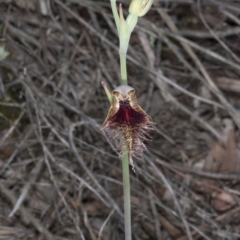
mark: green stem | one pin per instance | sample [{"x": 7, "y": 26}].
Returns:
[
  {"x": 127, "y": 196},
  {"x": 124, "y": 36},
  {"x": 125, "y": 159},
  {"x": 115, "y": 13},
  {"x": 123, "y": 65}
]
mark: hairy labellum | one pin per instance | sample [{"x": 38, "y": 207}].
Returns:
[{"x": 127, "y": 124}]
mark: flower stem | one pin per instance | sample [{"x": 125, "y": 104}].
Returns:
[
  {"x": 123, "y": 65},
  {"x": 124, "y": 40},
  {"x": 115, "y": 13},
  {"x": 127, "y": 196},
  {"x": 124, "y": 36},
  {"x": 125, "y": 165},
  {"x": 125, "y": 158}
]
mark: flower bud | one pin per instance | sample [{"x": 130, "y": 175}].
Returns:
[{"x": 140, "y": 7}]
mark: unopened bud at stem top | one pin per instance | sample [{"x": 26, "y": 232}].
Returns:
[{"x": 140, "y": 7}]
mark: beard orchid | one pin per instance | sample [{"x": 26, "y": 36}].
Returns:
[{"x": 127, "y": 123}]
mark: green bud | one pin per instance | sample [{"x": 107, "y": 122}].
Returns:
[
  {"x": 140, "y": 7},
  {"x": 131, "y": 21}
]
